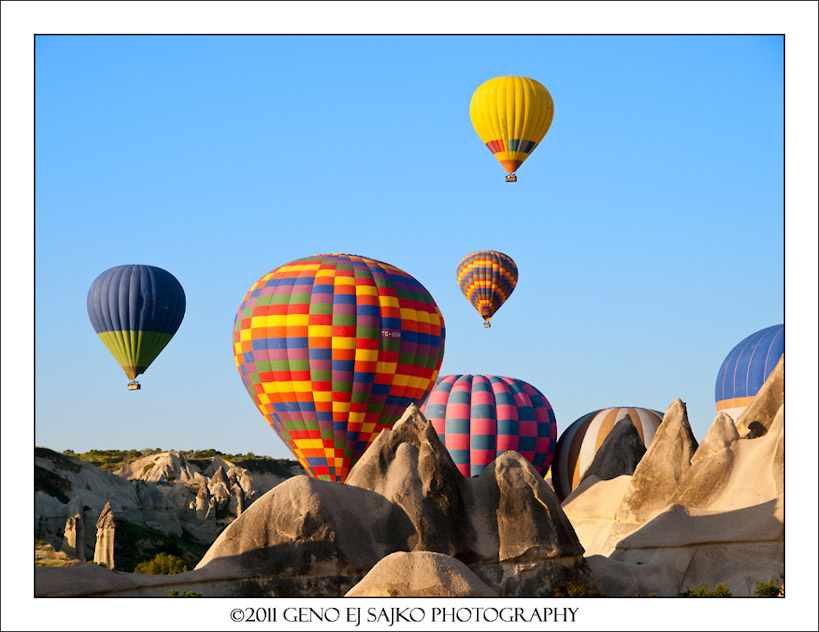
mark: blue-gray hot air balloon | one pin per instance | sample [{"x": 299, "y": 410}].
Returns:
[
  {"x": 135, "y": 310},
  {"x": 745, "y": 369}
]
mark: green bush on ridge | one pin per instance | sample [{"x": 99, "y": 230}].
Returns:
[{"x": 720, "y": 590}]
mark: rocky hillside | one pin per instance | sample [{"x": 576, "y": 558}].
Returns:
[
  {"x": 406, "y": 523},
  {"x": 161, "y": 501}
]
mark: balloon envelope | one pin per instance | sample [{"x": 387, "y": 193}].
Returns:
[
  {"x": 487, "y": 279},
  {"x": 580, "y": 441},
  {"x": 135, "y": 310},
  {"x": 332, "y": 349},
  {"x": 511, "y": 116},
  {"x": 478, "y": 417},
  {"x": 746, "y": 367}
]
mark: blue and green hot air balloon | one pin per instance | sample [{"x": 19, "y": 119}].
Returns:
[{"x": 135, "y": 310}]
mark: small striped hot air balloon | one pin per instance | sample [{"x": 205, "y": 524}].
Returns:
[
  {"x": 580, "y": 441},
  {"x": 745, "y": 369},
  {"x": 511, "y": 115},
  {"x": 332, "y": 349},
  {"x": 478, "y": 417},
  {"x": 487, "y": 278},
  {"x": 135, "y": 310}
]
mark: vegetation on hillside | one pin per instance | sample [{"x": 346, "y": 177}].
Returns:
[
  {"x": 135, "y": 544},
  {"x": 720, "y": 590},
  {"x": 163, "y": 564},
  {"x": 111, "y": 460},
  {"x": 769, "y": 589}
]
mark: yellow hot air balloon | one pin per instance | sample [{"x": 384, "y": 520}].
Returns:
[{"x": 511, "y": 115}]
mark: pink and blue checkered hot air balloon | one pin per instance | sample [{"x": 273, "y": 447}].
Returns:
[
  {"x": 745, "y": 369},
  {"x": 478, "y": 417}
]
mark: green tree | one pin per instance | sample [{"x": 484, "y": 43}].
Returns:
[
  {"x": 769, "y": 589},
  {"x": 162, "y": 564}
]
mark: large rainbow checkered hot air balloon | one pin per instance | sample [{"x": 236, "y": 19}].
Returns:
[
  {"x": 487, "y": 279},
  {"x": 135, "y": 310},
  {"x": 511, "y": 115},
  {"x": 478, "y": 417},
  {"x": 333, "y": 348}
]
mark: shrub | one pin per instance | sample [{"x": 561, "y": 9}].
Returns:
[
  {"x": 572, "y": 588},
  {"x": 720, "y": 590},
  {"x": 162, "y": 564},
  {"x": 187, "y": 593},
  {"x": 150, "y": 466},
  {"x": 769, "y": 589}
]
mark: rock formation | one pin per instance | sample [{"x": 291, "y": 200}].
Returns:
[
  {"x": 767, "y": 402},
  {"x": 619, "y": 453},
  {"x": 722, "y": 523},
  {"x": 85, "y": 489},
  {"x": 658, "y": 473},
  {"x": 104, "y": 551},
  {"x": 405, "y": 494},
  {"x": 162, "y": 467},
  {"x": 237, "y": 499},
  {"x": 404, "y": 525},
  {"x": 201, "y": 502},
  {"x": 74, "y": 539},
  {"x": 420, "y": 574}
]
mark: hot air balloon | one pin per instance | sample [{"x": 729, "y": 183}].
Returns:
[
  {"x": 580, "y": 441},
  {"x": 511, "y": 115},
  {"x": 135, "y": 310},
  {"x": 487, "y": 278},
  {"x": 746, "y": 368},
  {"x": 478, "y": 417},
  {"x": 332, "y": 349}
]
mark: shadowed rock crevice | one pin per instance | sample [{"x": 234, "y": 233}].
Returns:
[{"x": 619, "y": 453}]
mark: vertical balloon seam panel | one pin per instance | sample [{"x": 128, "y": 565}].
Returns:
[
  {"x": 109, "y": 292},
  {"x": 780, "y": 331},
  {"x": 120, "y": 309},
  {"x": 552, "y": 428},
  {"x": 568, "y": 449},
  {"x": 743, "y": 360},
  {"x": 148, "y": 290},
  {"x": 128, "y": 305},
  {"x": 346, "y": 311},
  {"x": 276, "y": 395},
  {"x": 395, "y": 392},
  {"x": 474, "y": 459},
  {"x": 370, "y": 414},
  {"x": 422, "y": 306},
  {"x": 115, "y": 283},
  {"x": 464, "y": 462},
  {"x": 417, "y": 361},
  {"x": 295, "y": 307}
]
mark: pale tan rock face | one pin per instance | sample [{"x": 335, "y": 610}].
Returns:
[
  {"x": 659, "y": 472},
  {"x": 420, "y": 574},
  {"x": 724, "y": 522},
  {"x": 104, "y": 551},
  {"x": 770, "y": 398},
  {"x": 74, "y": 538}
]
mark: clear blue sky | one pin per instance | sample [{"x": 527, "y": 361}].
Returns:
[{"x": 648, "y": 226}]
